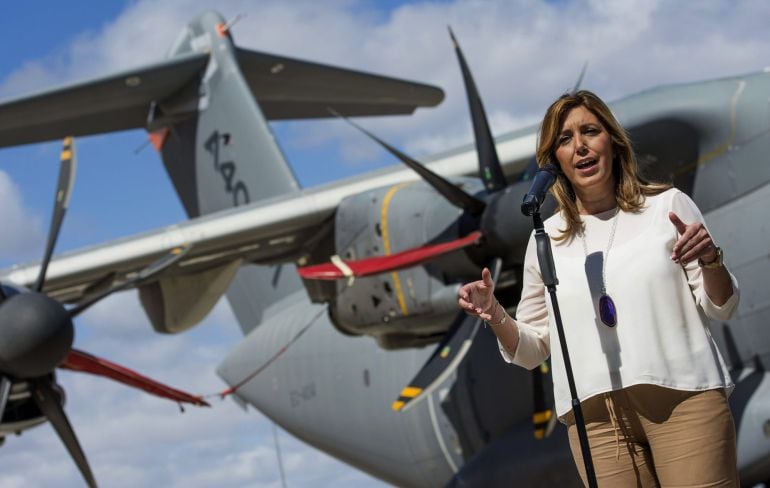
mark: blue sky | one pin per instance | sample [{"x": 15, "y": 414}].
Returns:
[{"x": 523, "y": 54}]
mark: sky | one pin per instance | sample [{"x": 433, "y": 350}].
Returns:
[{"x": 523, "y": 53}]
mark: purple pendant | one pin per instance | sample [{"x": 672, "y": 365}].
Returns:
[{"x": 607, "y": 311}]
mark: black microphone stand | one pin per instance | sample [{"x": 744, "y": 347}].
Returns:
[{"x": 548, "y": 270}]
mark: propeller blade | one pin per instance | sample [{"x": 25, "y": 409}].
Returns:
[
  {"x": 152, "y": 269},
  {"x": 5, "y": 391},
  {"x": 489, "y": 164},
  {"x": 63, "y": 193},
  {"x": 543, "y": 417},
  {"x": 445, "y": 358},
  {"x": 447, "y": 189},
  {"x": 48, "y": 401},
  {"x": 442, "y": 362},
  {"x": 88, "y": 363},
  {"x": 338, "y": 268}
]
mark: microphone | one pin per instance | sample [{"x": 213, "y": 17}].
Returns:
[{"x": 544, "y": 178}]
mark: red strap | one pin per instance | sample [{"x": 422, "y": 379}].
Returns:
[
  {"x": 392, "y": 262},
  {"x": 275, "y": 356},
  {"x": 82, "y": 361}
]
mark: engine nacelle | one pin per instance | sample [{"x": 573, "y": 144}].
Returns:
[{"x": 412, "y": 306}]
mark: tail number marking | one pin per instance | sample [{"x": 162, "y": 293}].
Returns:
[
  {"x": 227, "y": 169},
  {"x": 305, "y": 393}
]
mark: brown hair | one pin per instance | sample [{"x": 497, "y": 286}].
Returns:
[{"x": 630, "y": 188}]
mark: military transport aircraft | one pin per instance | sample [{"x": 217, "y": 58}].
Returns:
[{"x": 346, "y": 292}]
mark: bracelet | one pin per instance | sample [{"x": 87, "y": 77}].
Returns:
[
  {"x": 501, "y": 320},
  {"x": 717, "y": 262}
]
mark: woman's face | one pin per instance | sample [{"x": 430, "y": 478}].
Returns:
[{"x": 584, "y": 152}]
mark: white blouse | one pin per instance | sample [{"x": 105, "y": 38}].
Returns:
[{"x": 662, "y": 334}]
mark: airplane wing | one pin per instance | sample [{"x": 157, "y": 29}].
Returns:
[
  {"x": 275, "y": 230},
  {"x": 272, "y": 231}
]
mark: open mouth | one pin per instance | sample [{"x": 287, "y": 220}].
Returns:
[{"x": 586, "y": 163}]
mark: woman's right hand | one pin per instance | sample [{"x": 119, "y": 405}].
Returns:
[{"x": 478, "y": 298}]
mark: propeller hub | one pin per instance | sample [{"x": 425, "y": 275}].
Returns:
[
  {"x": 505, "y": 228},
  {"x": 36, "y": 335}
]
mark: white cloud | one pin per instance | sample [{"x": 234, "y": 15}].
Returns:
[
  {"x": 522, "y": 53},
  {"x": 23, "y": 231}
]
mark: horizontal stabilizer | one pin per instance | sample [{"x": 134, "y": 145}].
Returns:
[
  {"x": 116, "y": 102},
  {"x": 289, "y": 88}
]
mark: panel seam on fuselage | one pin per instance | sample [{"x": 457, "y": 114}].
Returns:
[{"x": 439, "y": 437}]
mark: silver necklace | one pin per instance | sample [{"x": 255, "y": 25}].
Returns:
[{"x": 607, "y": 311}]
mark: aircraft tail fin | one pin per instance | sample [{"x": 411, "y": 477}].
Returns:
[
  {"x": 207, "y": 109},
  {"x": 222, "y": 156},
  {"x": 226, "y": 154},
  {"x": 222, "y": 153}
]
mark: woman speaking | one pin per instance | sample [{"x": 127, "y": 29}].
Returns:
[{"x": 639, "y": 277}]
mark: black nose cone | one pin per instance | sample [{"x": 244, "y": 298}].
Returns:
[{"x": 35, "y": 335}]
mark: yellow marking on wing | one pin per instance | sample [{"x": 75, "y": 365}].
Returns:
[
  {"x": 539, "y": 433},
  {"x": 410, "y": 392},
  {"x": 541, "y": 417},
  {"x": 386, "y": 244},
  {"x": 724, "y": 147},
  {"x": 397, "y": 405},
  {"x": 66, "y": 154}
]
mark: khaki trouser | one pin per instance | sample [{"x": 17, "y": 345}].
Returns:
[{"x": 647, "y": 435}]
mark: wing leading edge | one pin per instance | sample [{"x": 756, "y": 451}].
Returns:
[{"x": 275, "y": 230}]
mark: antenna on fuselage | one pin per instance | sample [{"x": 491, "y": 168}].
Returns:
[
  {"x": 278, "y": 455},
  {"x": 580, "y": 78}
]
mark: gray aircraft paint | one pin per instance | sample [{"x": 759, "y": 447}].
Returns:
[
  {"x": 300, "y": 390},
  {"x": 334, "y": 392},
  {"x": 702, "y": 121},
  {"x": 714, "y": 134}
]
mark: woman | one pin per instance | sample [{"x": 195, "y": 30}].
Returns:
[{"x": 638, "y": 275}]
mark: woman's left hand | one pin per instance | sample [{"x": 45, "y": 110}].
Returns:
[{"x": 694, "y": 242}]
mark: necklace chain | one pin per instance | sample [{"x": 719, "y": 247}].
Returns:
[{"x": 609, "y": 246}]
